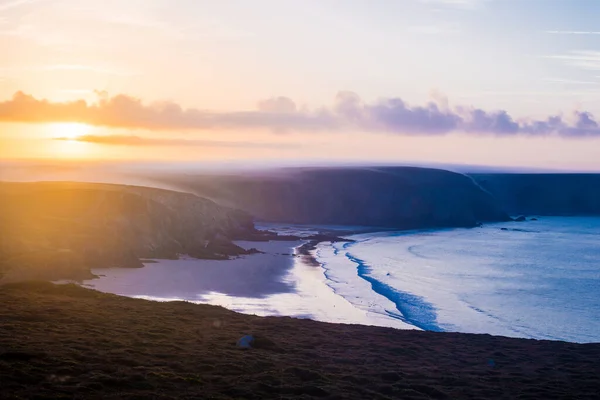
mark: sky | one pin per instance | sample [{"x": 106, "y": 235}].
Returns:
[{"x": 485, "y": 82}]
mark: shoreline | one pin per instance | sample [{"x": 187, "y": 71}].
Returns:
[
  {"x": 188, "y": 278},
  {"x": 274, "y": 283},
  {"x": 335, "y": 235},
  {"x": 375, "y": 301},
  {"x": 474, "y": 280}
]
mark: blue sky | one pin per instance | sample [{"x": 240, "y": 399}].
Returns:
[
  {"x": 529, "y": 59},
  {"x": 498, "y": 52}
]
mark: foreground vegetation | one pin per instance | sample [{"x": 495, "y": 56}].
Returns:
[{"x": 70, "y": 342}]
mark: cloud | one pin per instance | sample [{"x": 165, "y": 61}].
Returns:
[
  {"x": 132, "y": 140},
  {"x": 584, "y": 59},
  {"x": 574, "y": 32},
  {"x": 538, "y": 94},
  {"x": 348, "y": 113},
  {"x": 394, "y": 115},
  {"x": 569, "y": 81},
  {"x": 277, "y": 105},
  {"x": 128, "y": 112}
]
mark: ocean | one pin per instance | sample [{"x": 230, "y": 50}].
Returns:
[{"x": 534, "y": 279}]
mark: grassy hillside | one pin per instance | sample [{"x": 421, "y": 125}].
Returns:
[
  {"x": 69, "y": 342},
  {"x": 61, "y": 230}
]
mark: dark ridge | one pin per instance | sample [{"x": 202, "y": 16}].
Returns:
[
  {"x": 544, "y": 194},
  {"x": 388, "y": 197}
]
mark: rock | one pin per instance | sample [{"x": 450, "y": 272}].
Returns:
[
  {"x": 245, "y": 342},
  {"x": 254, "y": 250},
  {"x": 533, "y": 219},
  {"x": 520, "y": 218},
  {"x": 323, "y": 237}
]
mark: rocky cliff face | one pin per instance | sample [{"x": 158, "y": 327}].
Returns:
[
  {"x": 544, "y": 194},
  {"x": 65, "y": 227},
  {"x": 397, "y": 197}
]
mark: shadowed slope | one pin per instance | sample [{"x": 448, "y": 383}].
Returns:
[
  {"x": 397, "y": 197},
  {"x": 545, "y": 194}
]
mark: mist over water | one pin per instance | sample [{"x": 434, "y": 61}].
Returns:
[
  {"x": 535, "y": 279},
  {"x": 144, "y": 173}
]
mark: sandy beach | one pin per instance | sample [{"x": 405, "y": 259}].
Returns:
[{"x": 277, "y": 282}]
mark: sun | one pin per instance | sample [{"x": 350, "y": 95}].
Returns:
[{"x": 70, "y": 130}]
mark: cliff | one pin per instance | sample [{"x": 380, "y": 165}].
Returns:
[
  {"x": 60, "y": 230},
  {"x": 544, "y": 194},
  {"x": 393, "y": 197}
]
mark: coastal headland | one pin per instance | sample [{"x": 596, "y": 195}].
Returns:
[{"x": 67, "y": 341}]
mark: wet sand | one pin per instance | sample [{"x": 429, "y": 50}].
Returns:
[
  {"x": 277, "y": 282},
  {"x": 255, "y": 275}
]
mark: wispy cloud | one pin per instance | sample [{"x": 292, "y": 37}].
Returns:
[
  {"x": 571, "y": 82},
  {"x": 538, "y": 94},
  {"x": 574, "y": 32},
  {"x": 348, "y": 113},
  {"x": 131, "y": 140},
  {"x": 584, "y": 59}
]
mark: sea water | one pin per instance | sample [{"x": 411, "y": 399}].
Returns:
[{"x": 534, "y": 279}]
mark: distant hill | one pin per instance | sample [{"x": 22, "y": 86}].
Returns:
[
  {"x": 393, "y": 197},
  {"x": 544, "y": 194}
]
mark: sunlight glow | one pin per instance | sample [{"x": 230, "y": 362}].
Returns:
[{"x": 70, "y": 130}]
